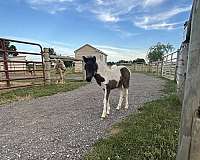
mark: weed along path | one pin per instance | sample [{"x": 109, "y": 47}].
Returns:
[{"x": 66, "y": 125}]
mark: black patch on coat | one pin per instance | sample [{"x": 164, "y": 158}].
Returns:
[
  {"x": 99, "y": 79},
  {"x": 112, "y": 84},
  {"x": 125, "y": 78}
]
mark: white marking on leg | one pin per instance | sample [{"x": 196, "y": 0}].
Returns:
[
  {"x": 108, "y": 105},
  {"x": 104, "y": 104},
  {"x": 120, "y": 99},
  {"x": 126, "y": 97}
]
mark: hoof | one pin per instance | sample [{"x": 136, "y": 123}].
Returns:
[{"x": 102, "y": 118}]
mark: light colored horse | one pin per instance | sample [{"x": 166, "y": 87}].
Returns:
[
  {"x": 60, "y": 69},
  {"x": 108, "y": 78}
]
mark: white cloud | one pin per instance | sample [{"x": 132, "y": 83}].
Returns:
[
  {"x": 110, "y": 10},
  {"x": 107, "y": 17},
  {"x": 140, "y": 12},
  {"x": 114, "y": 11},
  {"x": 47, "y": 1},
  {"x": 162, "y": 25},
  {"x": 160, "y": 20},
  {"x": 51, "y": 6},
  {"x": 99, "y": 2},
  {"x": 59, "y": 47},
  {"x": 116, "y": 54},
  {"x": 152, "y": 2},
  {"x": 122, "y": 33}
]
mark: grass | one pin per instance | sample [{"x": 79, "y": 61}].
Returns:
[
  {"x": 170, "y": 87},
  {"x": 39, "y": 91},
  {"x": 151, "y": 134}
]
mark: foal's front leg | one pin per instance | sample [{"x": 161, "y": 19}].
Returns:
[
  {"x": 108, "y": 100},
  {"x": 104, "y": 104}
]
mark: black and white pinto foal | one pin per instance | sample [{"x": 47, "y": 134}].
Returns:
[{"x": 108, "y": 78}]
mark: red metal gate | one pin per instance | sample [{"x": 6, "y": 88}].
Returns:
[{"x": 20, "y": 73}]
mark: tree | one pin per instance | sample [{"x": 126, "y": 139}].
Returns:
[
  {"x": 9, "y": 48},
  {"x": 157, "y": 51},
  {"x": 139, "y": 60},
  {"x": 122, "y": 62},
  {"x": 68, "y": 64},
  {"x": 51, "y": 51},
  {"x": 111, "y": 63},
  {"x": 13, "y": 48}
]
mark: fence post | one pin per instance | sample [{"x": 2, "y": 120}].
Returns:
[
  {"x": 162, "y": 67},
  {"x": 181, "y": 70},
  {"x": 157, "y": 65},
  {"x": 5, "y": 59},
  {"x": 177, "y": 60},
  {"x": 189, "y": 144},
  {"x": 83, "y": 70},
  {"x": 171, "y": 62},
  {"x": 47, "y": 65},
  {"x": 134, "y": 67}
]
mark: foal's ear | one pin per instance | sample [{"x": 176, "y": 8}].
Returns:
[
  {"x": 84, "y": 59},
  {"x": 94, "y": 58}
]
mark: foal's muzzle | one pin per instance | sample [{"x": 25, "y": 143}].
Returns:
[{"x": 88, "y": 79}]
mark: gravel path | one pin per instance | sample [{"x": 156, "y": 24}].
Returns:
[{"x": 65, "y": 125}]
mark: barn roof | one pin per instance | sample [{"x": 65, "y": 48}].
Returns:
[{"x": 91, "y": 47}]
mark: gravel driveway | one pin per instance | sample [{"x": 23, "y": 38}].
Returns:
[{"x": 65, "y": 125}]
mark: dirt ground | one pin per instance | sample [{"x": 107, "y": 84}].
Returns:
[{"x": 66, "y": 125}]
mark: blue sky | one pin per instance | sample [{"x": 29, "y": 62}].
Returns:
[{"x": 124, "y": 29}]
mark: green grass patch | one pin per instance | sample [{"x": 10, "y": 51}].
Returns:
[
  {"x": 151, "y": 134},
  {"x": 170, "y": 87},
  {"x": 39, "y": 91}
]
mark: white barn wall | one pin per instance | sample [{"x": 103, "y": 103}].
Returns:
[{"x": 87, "y": 51}]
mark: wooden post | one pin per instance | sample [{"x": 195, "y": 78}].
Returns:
[
  {"x": 177, "y": 60},
  {"x": 181, "y": 70},
  {"x": 189, "y": 139},
  {"x": 162, "y": 66},
  {"x": 150, "y": 67},
  {"x": 83, "y": 71},
  {"x": 157, "y": 64},
  {"x": 6, "y": 68},
  {"x": 47, "y": 66},
  {"x": 142, "y": 68},
  {"x": 171, "y": 65},
  {"x": 134, "y": 66}
]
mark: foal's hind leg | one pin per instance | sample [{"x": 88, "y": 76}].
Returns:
[
  {"x": 120, "y": 99},
  {"x": 108, "y": 106},
  {"x": 126, "y": 98}
]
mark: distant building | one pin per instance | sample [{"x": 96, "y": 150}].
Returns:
[
  {"x": 88, "y": 50},
  {"x": 15, "y": 65}
]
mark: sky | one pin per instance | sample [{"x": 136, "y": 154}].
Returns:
[{"x": 123, "y": 29}]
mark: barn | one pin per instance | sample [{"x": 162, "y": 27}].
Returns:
[{"x": 88, "y": 50}]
